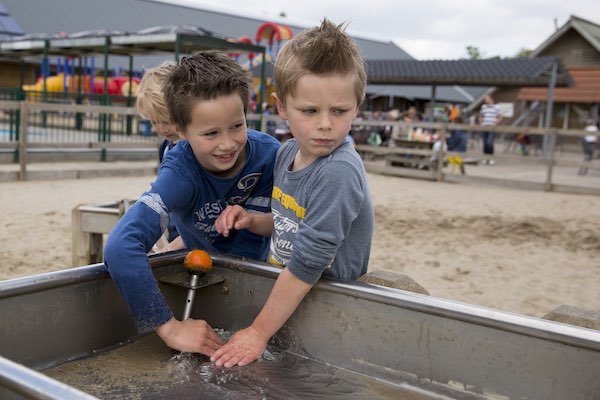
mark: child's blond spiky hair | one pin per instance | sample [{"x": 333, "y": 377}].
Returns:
[{"x": 326, "y": 49}]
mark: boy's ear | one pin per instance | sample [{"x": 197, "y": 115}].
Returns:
[{"x": 280, "y": 106}]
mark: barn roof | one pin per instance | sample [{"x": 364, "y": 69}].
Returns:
[{"x": 489, "y": 72}]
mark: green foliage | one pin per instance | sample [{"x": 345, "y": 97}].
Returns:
[
  {"x": 523, "y": 53},
  {"x": 473, "y": 53}
]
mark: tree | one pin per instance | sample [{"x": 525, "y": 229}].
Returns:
[
  {"x": 523, "y": 53},
  {"x": 473, "y": 53}
]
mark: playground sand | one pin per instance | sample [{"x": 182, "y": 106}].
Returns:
[{"x": 520, "y": 251}]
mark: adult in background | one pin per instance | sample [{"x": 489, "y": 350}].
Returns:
[
  {"x": 489, "y": 115},
  {"x": 588, "y": 143}
]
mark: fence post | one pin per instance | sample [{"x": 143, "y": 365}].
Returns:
[
  {"x": 23, "y": 140},
  {"x": 79, "y": 115},
  {"x": 552, "y": 148}
]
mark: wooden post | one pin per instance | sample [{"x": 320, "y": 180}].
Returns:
[
  {"x": 89, "y": 224},
  {"x": 566, "y": 116},
  {"x": 80, "y": 241},
  {"x": 552, "y": 147}
]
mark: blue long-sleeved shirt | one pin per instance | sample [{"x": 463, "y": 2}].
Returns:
[{"x": 193, "y": 199}]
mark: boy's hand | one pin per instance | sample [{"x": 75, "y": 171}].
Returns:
[
  {"x": 176, "y": 244},
  {"x": 244, "y": 347},
  {"x": 232, "y": 217},
  {"x": 190, "y": 335}
]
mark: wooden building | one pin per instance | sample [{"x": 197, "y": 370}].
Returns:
[{"x": 577, "y": 44}]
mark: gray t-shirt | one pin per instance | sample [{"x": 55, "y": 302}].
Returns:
[{"x": 323, "y": 215}]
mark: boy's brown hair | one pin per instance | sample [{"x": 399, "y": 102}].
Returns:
[
  {"x": 326, "y": 49},
  {"x": 204, "y": 75},
  {"x": 150, "y": 102}
]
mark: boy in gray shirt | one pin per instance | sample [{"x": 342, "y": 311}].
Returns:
[{"x": 322, "y": 216}]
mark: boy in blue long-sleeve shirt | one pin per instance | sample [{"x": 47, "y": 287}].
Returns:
[{"x": 219, "y": 163}]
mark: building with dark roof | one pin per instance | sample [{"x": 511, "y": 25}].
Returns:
[
  {"x": 577, "y": 44},
  {"x": 42, "y": 17},
  {"x": 493, "y": 71},
  {"x": 8, "y": 26},
  {"x": 70, "y": 16}
]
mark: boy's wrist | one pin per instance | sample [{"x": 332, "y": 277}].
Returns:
[
  {"x": 165, "y": 330},
  {"x": 251, "y": 222},
  {"x": 263, "y": 331}
]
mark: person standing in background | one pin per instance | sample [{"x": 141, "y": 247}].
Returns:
[
  {"x": 588, "y": 143},
  {"x": 489, "y": 115}
]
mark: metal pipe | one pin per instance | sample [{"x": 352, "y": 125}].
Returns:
[{"x": 189, "y": 300}]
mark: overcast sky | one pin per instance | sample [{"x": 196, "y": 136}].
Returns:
[{"x": 430, "y": 29}]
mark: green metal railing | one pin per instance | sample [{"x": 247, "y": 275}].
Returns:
[
  {"x": 69, "y": 124},
  {"x": 63, "y": 123}
]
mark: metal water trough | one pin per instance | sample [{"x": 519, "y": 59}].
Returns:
[{"x": 436, "y": 348}]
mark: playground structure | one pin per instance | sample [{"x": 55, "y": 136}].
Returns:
[
  {"x": 82, "y": 72},
  {"x": 275, "y": 36},
  {"x": 71, "y": 79},
  {"x": 83, "y": 84},
  {"x": 68, "y": 82}
]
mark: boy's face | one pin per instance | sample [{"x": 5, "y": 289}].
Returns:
[
  {"x": 320, "y": 113},
  {"x": 166, "y": 130},
  {"x": 217, "y": 134}
]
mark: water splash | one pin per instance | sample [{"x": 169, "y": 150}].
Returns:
[{"x": 145, "y": 369}]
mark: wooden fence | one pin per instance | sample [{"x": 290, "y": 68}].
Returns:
[{"x": 29, "y": 125}]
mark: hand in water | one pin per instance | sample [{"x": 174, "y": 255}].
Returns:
[
  {"x": 190, "y": 335},
  {"x": 244, "y": 347}
]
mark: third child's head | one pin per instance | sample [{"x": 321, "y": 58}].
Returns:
[
  {"x": 207, "y": 96},
  {"x": 151, "y": 102},
  {"x": 319, "y": 82}
]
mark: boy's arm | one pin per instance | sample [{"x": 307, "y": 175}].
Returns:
[
  {"x": 127, "y": 262},
  {"x": 248, "y": 344}
]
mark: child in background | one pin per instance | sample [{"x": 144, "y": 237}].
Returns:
[
  {"x": 152, "y": 106},
  {"x": 322, "y": 215},
  {"x": 218, "y": 162}
]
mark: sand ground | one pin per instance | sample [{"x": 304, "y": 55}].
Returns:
[{"x": 515, "y": 250}]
